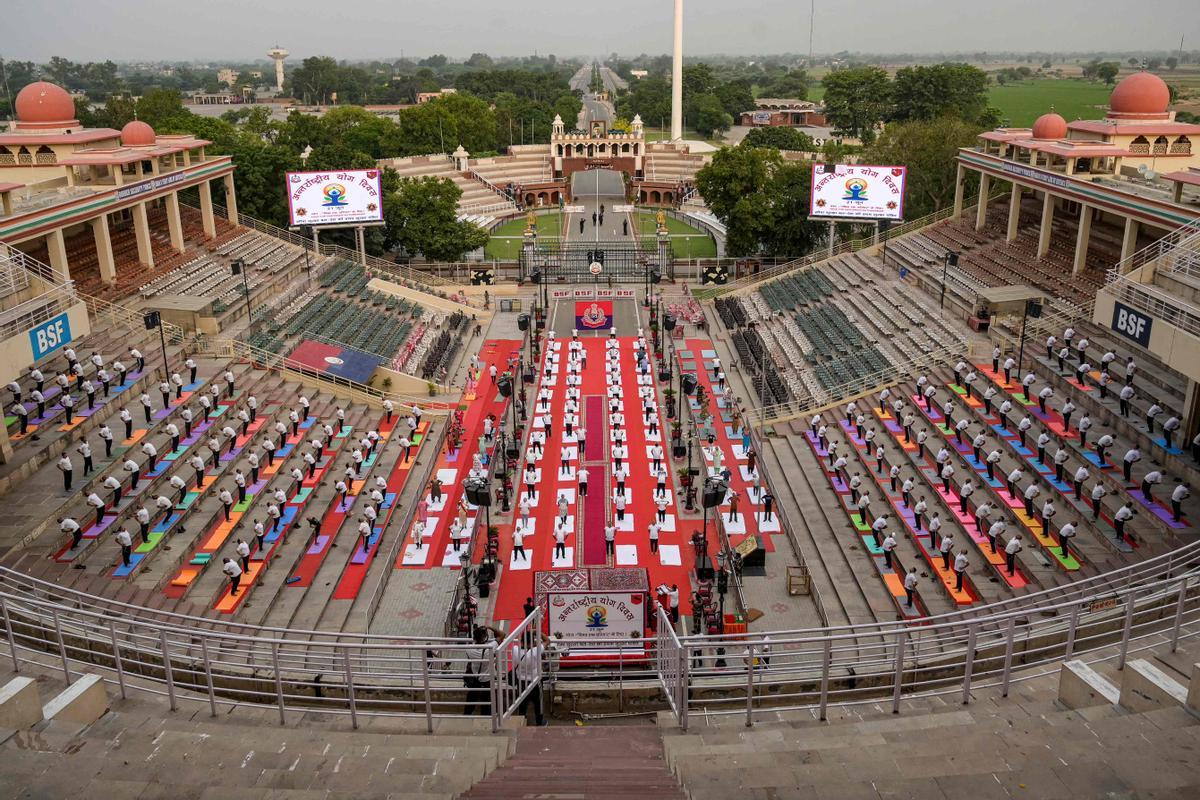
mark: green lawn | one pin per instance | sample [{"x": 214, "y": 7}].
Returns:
[
  {"x": 507, "y": 240},
  {"x": 1022, "y": 103},
  {"x": 687, "y": 241}
]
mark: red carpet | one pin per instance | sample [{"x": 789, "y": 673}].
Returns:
[
  {"x": 596, "y": 461},
  {"x": 516, "y": 585},
  {"x": 486, "y": 401}
]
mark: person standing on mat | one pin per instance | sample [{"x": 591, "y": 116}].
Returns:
[
  {"x": 560, "y": 542},
  {"x": 610, "y": 538},
  {"x": 653, "y": 533},
  {"x": 620, "y": 506},
  {"x": 519, "y": 545}
]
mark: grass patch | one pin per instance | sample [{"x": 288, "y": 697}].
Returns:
[
  {"x": 686, "y": 240},
  {"x": 508, "y": 239},
  {"x": 1022, "y": 103}
]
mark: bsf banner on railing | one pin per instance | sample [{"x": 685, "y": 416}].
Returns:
[{"x": 594, "y": 293}]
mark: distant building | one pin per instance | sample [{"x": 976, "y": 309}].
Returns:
[
  {"x": 227, "y": 76},
  {"x": 783, "y": 113},
  {"x": 639, "y": 73},
  {"x": 425, "y": 97}
]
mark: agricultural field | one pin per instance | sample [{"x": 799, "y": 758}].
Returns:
[{"x": 1023, "y": 102}]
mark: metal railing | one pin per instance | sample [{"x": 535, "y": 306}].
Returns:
[
  {"x": 33, "y": 312},
  {"x": 431, "y": 282},
  {"x": 185, "y": 660}
]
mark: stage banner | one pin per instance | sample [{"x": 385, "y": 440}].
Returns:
[
  {"x": 337, "y": 197},
  {"x": 593, "y": 316},
  {"x": 857, "y": 191},
  {"x": 597, "y": 615},
  {"x": 335, "y": 360},
  {"x": 587, "y": 293}
]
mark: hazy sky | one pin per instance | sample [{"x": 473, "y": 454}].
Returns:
[{"x": 86, "y": 30}]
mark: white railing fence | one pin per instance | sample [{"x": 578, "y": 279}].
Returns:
[{"x": 183, "y": 659}]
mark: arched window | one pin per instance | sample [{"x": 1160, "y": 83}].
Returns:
[
  {"x": 635, "y": 148},
  {"x": 1139, "y": 145},
  {"x": 560, "y": 151},
  {"x": 6, "y": 156},
  {"x": 578, "y": 149},
  {"x": 625, "y": 147},
  {"x": 529, "y": 199},
  {"x": 45, "y": 155},
  {"x": 655, "y": 197},
  {"x": 1160, "y": 146},
  {"x": 24, "y": 156},
  {"x": 1182, "y": 146}
]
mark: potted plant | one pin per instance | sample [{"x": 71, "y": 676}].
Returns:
[{"x": 669, "y": 397}]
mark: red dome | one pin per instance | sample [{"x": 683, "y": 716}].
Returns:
[
  {"x": 1140, "y": 93},
  {"x": 44, "y": 102},
  {"x": 137, "y": 134},
  {"x": 1050, "y": 126}
]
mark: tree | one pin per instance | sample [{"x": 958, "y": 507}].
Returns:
[
  {"x": 698, "y": 79},
  {"x": 709, "y": 116},
  {"x": 736, "y": 96},
  {"x": 857, "y": 100},
  {"x": 479, "y": 61},
  {"x": 436, "y": 61},
  {"x": 1154, "y": 64},
  {"x": 1172, "y": 62},
  {"x": 762, "y": 201},
  {"x": 314, "y": 80},
  {"x": 928, "y": 148},
  {"x": 1107, "y": 71},
  {"x": 781, "y": 139},
  {"x": 157, "y": 106},
  {"x": 441, "y": 125},
  {"x": 422, "y": 217},
  {"x": 650, "y": 98},
  {"x": 928, "y": 92}
]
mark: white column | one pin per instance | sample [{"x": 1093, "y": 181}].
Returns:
[
  {"x": 141, "y": 231},
  {"x": 677, "y": 77},
  {"x": 1129, "y": 240},
  {"x": 174, "y": 222},
  {"x": 231, "y": 208},
  {"x": 959, "y": 186},
  {"x": 1014, "y": 211},
  {"x": 206, "y": 210},
  {"x": 1047, "y": 225},
  {"x": 104, "y": 251},
  {"x": 1081, "y": 241},
  {"x": 985, "y": 185},
  {"x": 57, "y": 247}
]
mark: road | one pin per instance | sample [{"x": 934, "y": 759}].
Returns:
[
  {"x": 593, "y": 108},
  {"x": 592, "y": 189}
]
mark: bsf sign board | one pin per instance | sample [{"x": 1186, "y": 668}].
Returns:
[
  {"x": 586, "y": 615},
  {"x": 49, "y": 336},
  {"x": 857, "y": 191},
  {"x": 347, "y": 197},
  {"x": 1132, "y": 324}
]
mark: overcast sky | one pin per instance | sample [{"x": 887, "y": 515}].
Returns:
[{"x": 132, "y": 30}]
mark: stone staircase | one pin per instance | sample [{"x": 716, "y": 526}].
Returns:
[
  {"x": 139, "y": 749},
  {"x": 587, "y": 763},
  {"x": 1069, "y": 735}
]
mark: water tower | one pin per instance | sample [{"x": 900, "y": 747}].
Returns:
[{"x": 278, "y": 54}]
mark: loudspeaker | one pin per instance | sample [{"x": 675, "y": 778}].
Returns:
[
  {"x": 688, "y": 384},
  {"x": 655, "y": 276},
  {"x": 151, "y": 320},
  {"x": 478, "y": 491},
  {"x": 1033, "y": 308},
  {"x": 523, "y": 322},
  {"x": 714, "y": 492},
  {"x": 536, "y": 276},
  {"x": 504, "y": 385},
  {"x": 669, "y": 322},
  {"x": 952, "y": 259}
]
